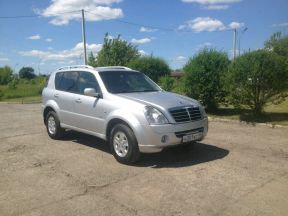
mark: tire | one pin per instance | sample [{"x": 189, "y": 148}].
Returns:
[
  {"x": 123, "y": 144},
  {"x": 53, "y": 127}
]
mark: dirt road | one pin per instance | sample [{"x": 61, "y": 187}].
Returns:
[{"x": 237, "y": 170}]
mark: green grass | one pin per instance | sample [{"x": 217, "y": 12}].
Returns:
[
  {"x": 24, "y": 100},
  {"x": 274, "y": 114},
  {"x": 21, "y": 91}
]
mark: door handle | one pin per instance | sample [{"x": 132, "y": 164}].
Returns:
[
  {"x": 78, "y": 100},
  {"x": 56, "y": 95}
]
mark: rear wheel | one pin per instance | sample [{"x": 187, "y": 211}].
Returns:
[
  {"x": 53, "y": 125},
  {"x": 123, "y": 144}
]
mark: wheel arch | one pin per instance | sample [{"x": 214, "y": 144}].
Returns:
[{"x": 114, "y": 122}]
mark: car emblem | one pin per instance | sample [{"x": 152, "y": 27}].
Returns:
[{"x": 180, "y": 102}]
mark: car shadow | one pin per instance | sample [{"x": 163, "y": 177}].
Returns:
[
  {"x": 182, "y": 156},
  {"x": 173, "y": 157}
]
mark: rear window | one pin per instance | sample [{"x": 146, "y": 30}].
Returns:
[{"x": 66, "y": 81}]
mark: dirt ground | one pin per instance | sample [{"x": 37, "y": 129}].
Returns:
[{"x": 237, "y": 170}]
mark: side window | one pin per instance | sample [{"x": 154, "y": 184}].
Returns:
[
  {"x": 87, "y": 80},
  {"x": 58, "y": 78},
  {"x": 68, "y": 82}
]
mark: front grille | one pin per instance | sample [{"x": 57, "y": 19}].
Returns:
[
  {"x": 186, "y": 114},
  {"x": 183, "y": 133}
]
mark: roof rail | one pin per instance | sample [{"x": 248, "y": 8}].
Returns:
[
  {"x": 75, "y": 66},
  {"x": 114, "y": 67}
]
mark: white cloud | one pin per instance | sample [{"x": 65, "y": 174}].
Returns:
[
  {"x": 213, "y": 4},
  {"x": 96, "y": 10},
  {"x": 235, "y": 25},
  {"x": 64, "y": 55},
  {"x": 181, "y": 58},
  {"x": 49, "y": 40},
  {"x": 141, "y": 41},
  {"x": 4, "y": 59},
  {"x": 280, "y": 25},
  {"x": 142, "y": 53},
  {"x": 201, "y": 24},
  {"x": 34, "y": 37},
  {"x": 144, "y": 29},
  {"x": 216, "y": 7}
]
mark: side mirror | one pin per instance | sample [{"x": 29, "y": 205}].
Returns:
[{"x": 91, "y": 92}]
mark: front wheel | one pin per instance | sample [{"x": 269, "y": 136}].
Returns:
[
  {"x": 123, "y": 144},
  {"x": 53, "y": 125}
]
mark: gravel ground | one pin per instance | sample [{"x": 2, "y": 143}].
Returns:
[{"x": 237, "y": 170}]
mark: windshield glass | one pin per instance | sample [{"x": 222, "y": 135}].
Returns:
[{"x": 127, "y": 82}]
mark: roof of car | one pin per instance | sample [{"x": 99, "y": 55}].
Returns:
[{"x": 108, "y": 68}]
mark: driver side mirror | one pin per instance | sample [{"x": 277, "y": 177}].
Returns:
[{"x": 92, "y": 93}]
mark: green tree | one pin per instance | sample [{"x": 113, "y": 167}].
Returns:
[
  {"x": 114, "y": 52},
  {"x": 278, "y": 43},
  {"x": 256, "y": 78},
  {"x": 92, "y": 60},
  {"x": 203, "y": 79},
  {"x": 151, "y": 66},
  {"x": 26, "y": 73},
  {"x": 167, "y": 83},
  {"x": 5, "y": 75}
]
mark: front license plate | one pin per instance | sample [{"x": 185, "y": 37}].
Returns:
[{"x": 191, "y": 137}]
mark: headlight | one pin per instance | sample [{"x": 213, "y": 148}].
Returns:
[
  {"x": 202, "y": 110},
  {"x": 154, "y": 116}
]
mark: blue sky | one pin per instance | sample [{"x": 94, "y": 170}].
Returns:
[{"x": 171, "y": 29}]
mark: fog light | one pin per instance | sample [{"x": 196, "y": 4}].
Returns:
[{"x": 164, "y": 138}]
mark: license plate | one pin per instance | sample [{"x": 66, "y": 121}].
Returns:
[{"x": 191, "y": 137}]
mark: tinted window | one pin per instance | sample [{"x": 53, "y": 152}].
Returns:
[
  {"x": 126, "y": 82},
  {"x": 87, "y": 80},
  {"x": 68, "y": 82},
  {"x": 58, "y": 78}
]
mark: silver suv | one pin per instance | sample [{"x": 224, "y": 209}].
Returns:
[{"x": 123, "y": 107}]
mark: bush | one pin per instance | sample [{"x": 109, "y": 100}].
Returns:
[
  {"x": 151, "y": 66},
  {"x": 256, "y": 78},
  {"x": 203, "y": 79},
  {"x": 5, "y": 75},
  {"x": 167, "y": 83}
]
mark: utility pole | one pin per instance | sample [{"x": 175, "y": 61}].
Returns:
[
  {"x": 234, "y": 43},
  {"x": 84, "y": 37}
]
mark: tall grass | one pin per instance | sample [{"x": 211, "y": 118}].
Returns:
[{"x": 22, "y": 90}]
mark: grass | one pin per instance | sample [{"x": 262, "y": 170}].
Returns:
[
  {"x": 24, "y": 100},
  {"x": 23, "y": 90},
  {"x": 273, "y": 114}
]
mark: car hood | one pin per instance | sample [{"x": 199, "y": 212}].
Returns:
[{"x": 160, "y": 99}]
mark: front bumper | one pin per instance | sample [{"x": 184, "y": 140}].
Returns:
[{"x": 150, "y": 137}]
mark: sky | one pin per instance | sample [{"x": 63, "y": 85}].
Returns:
[{"x": 47, "y": 34}]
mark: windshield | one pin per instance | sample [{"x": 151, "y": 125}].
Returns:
[{"x": 127, "y": 82}]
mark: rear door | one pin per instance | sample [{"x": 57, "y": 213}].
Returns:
[{"x": 65, "y": 94}]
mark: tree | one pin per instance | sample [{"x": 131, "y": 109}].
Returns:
[
  {"x": 278, "y": 43},
  {"x": 115, "y": 52},
  {"x": 203, "y": 77},
  {"x": 151, "y": 66},
  {"x": 26, "y": 73},
  {"x": 256, "y": 78},
  {"x": 5, "y": 75},
  {"x": 167, "y": 83},
  {"x": 92, "y": 60}
]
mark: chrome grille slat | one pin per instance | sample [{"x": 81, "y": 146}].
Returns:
[{"x": 186, "y": 114}]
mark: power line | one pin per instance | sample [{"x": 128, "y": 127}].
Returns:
[{"x": 114, "y": 20}]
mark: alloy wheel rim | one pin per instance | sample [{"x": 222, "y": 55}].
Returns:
[
  {"x": 51, "y": 125},
  {"x": 120, "y": 144}
]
